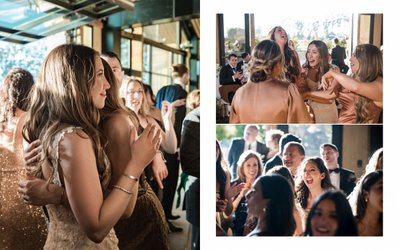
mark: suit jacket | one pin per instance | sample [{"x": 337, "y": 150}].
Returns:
[
  {"x": 172, "y": 93},
  {"x": 226, "y": 76},
  {"x": 347, "y": 180},
  {"x": 338, "y": 54},
  {"x": 274, "y": 161},
  {"x": 237, "y": 148},
  {"x": 239, "y": 66},
  {"x": 190, "y": 143}
]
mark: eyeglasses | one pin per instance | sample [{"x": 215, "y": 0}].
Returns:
[{"x": 131, "y": 92}]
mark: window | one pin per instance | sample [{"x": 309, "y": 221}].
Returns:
[{"x": 125, "y": 53}]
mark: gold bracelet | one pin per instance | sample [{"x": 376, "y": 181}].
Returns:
[
  {"x": 133, "y": 178},
  {"x": 162, "y": 156},
  {"x": 123, "y": 189}
]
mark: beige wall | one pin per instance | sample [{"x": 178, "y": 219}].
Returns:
[{"x": 355, "y": 147}]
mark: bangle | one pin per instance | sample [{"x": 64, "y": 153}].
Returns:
[
  {"x": 130, "y": 177},
  {"x": 162, "y": 155},
  {"x": 123, "y": 189}
]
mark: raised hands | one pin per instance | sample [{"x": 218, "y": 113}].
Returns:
[{"x": 145, "y": 147}]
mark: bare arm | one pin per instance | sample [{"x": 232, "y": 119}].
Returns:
[
  {"x": 169, "y": 142},
  {"x": 95, "y": 215},
  {"x": 372, "y": 90},
  {"x": 117, "y": 131}
]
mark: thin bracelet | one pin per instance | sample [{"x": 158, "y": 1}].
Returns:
[
  {"x": 123, "y": 189},
  {"x": 130, "y": 177},
  {"x": 162, "y": 156}
]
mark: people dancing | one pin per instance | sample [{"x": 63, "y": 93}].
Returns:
[{"x": 265, "y": 98}]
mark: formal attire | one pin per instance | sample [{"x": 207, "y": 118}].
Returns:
[
  {"x": 238, "y": 146},
  {"x": 338, "y": 55},
  {"x": 240, "y": 215},
  {"x": 172, "y": 93},
  {"x": 276, "y": 160},
  {"x": 64, "y": 230},
  {"x": 269, "y": 102},
  {"x": 146, "y": 223},
  {"x": 226, "y": 75},
  {"x": 21, "y": 226},
  {"x": 190, "y": 162},
  {"x": 343, "y": 179},
  {"x": 347, "y": 112},
  {"x": 323, "y": 112}
]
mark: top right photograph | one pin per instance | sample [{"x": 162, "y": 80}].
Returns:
[{"x": 322, "y": 68}]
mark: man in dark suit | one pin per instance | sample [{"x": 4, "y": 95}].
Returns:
[
  {"x": 276, "y": 160},
  {"x": 338, "y": 55},
  {"x": 190, "y": 162},
  {"x": 171, "y": 93},
  {"x": 228, "y": 74},
  {"x": 343, "y": 179},
  {"x": 248, "y": 142},
  {"x": 245, "y": 60}
]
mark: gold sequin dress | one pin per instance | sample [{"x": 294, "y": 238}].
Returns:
[
  {"x": 64, "y": 230},
  {"x": 21, "y": 226}
]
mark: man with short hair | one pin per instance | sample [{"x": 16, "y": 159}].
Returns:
[
  {"x": 341, "y": 178},
  {"x": 293, "y": 156},
  {"x": 248, "y": 142},
  {"x": 338, "y": 55},
  {"x": 245, "y": 60},
  {"x": 276, "y": 160},
  {"x": 228, "y": 73}
]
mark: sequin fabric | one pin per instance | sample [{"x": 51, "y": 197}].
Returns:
[
  {"x": 64, "y": 230},
  {"x": 21, "y": 226}
]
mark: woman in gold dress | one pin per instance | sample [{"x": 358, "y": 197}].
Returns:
[{"x": 17, "y": 220}]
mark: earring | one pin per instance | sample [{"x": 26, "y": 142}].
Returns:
[
  {"x": 366, "y": 199},
  {"x": 264, "y": 209}
]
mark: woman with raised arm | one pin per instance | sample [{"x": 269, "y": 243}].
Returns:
[
  {"x": 362, "y": 93},
  {"x": 265, "y": 98},
  {"x": 71, "y": 89}
]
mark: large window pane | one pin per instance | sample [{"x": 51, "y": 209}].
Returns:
[
  {"x": 137, "y": 52},
  {"x": 234, "y": 34},
  {"x": 125, "y": 53},
  {"x": 166, "y": 33},
  {"x": 312, "y": 136}
]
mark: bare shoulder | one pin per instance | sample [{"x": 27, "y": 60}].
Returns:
[
  {"x": 74, "y": 142},
  {"x": 118, "y": 119}
]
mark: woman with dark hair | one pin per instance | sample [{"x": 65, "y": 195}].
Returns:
[
  {"x": 369, "y": 214},
  {"x": 316, "y": 65},
  {"x": 292, "y": 67},
  {"x": 17, "y": 220},
  {"x": 265, "y": 98},
  {"x": 366, "y": 84},
  {"x": 313, "y": 181},
  {"x": 331, "y": 215},
  {"x": 248, "y": 170},
  {"x": 285, "y": 172},
  {"x": 271, "y": 201},
  {"x": 224, "y": 205}
]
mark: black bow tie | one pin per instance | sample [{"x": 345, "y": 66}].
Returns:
[{"x": 336, "y": 170}]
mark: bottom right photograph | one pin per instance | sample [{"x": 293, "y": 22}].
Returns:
[{"x": 299, "y": 180}]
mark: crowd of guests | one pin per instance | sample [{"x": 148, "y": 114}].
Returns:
[
  {"x": 101, "y": 164},
  {"x": 275, "y": 88},
  {"x": 294, "y": 195}
]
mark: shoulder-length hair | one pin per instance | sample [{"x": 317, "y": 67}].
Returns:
[
  {"x": 245, "y": 156},
  {"x": 347, "y": 225},
  {"x": 279, "y": 213},
  {"x": 324, "y": 57},
  {"x": 144, "y": 108},
  {"x": 366, "y": 183},
  {"x": 302, "y": 191},
  {"x": 61, "y": 98}
]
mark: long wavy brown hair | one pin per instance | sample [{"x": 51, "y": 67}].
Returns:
[
  {"x": 371, "y": 67},
  {"x": 61, "y": 98}
]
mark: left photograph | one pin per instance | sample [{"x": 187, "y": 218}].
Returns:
[{"x": 99, "y": 124}]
